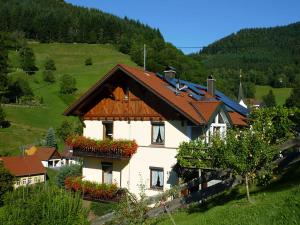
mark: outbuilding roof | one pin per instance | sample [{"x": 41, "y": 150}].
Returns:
[
  {"x": 46, "y": 153},
  {"x": 23, "y": 165}
]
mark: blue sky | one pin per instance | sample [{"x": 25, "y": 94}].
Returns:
[{"x": 200, "y": 22}]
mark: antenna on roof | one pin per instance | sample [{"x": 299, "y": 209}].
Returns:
[{"x": 145, "y": 57}]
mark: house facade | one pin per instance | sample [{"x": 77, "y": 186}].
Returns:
[
  {"x": 28, "y": 170},
  {"x": 158, "y": 112}
]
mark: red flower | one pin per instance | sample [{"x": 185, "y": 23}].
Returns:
[{"x": 125, "y": 148}]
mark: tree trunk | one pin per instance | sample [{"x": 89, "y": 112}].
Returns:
[{"x": 247, "y": 187}]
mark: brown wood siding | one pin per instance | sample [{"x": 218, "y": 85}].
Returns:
[{"x": 140, "y": 105}]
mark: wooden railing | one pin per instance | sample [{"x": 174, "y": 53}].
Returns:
[{"x": 113, "y": 154}]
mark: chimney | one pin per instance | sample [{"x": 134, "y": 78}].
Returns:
[
  {"x": 211, "y": 82},
  {"x": 169, "y": 72}
]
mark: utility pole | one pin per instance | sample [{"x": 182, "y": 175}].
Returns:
[{"x": 145, "y": 57}]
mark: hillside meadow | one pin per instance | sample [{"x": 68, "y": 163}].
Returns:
[
  {"x": 29, "y": 124},
  {"x": 281, "y": 94}
]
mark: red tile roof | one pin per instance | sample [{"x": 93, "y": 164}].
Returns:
[
  {"x": 237, "y": 119},
  {"x": 23, "y": 165},
  {"x": 206, "y": 108},
  {"x": 197, "y": 111},
  {"x": 45, "y": 153}
]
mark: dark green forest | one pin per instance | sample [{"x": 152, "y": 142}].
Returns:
[
  {"x": 56, "y": 21},
  {"x": 267, "y": 56}
]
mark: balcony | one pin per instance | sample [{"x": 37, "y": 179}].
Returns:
[{"x": 113, "y": 149}]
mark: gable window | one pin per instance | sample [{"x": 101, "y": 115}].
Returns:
[
  {"x": 108, "y": 130},
  {"x": 126, "y": 93},
  {"x": 156, "y": 178},
  {"x": 107, "y": 169},
  {"x": 158, "y": 133}
]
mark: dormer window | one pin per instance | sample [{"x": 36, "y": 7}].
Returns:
[{"x": 158, "y": 133}]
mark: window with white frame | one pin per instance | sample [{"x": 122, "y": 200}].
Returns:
[
  {"x": 24, "y": 181},
  {"x": 156, "y": 178},
  {"x": 158, "y": 133},
  {"x": 217, "y": 127},
  {"x": 29, "y": 180}
]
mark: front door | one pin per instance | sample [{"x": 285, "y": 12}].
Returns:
[{"x": 107, "y": 169}]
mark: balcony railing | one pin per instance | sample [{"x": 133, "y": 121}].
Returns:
[{"x": 116, "y": 149}]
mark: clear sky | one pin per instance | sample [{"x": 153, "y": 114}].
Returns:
[{"x": 192, "y": 23}]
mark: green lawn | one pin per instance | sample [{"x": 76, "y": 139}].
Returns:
[
  {"x": 281, "y": 94},
  {"x": 277, "y": 204},
  {"x": 30, "y": 124},
  {"x": 102, "y": 208}
]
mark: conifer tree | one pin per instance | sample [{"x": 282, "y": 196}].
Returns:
[
  {"x": 269, "y": 99},
  {"x": 51, "y": 138}
]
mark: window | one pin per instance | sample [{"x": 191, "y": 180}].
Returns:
[
  {"x": 107, "y": 130},
  {"x": 18, "y": 182},
  {"x": 156, "y": 178},
  {"x": 126, "y": 93},
  {"x": 107, "y": 169},
  {"x": 24, "y": 181},
  {"x": 158, "y": 133},
  {"x": 29, "y": 180},
  {"x": 35, "y": 179},
  {"x": 196, "y": 132}
]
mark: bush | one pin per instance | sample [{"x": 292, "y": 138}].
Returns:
[
  {"x": 67, "y": 171},
  {"x": 50, "y": 65},
  {"x": 6, "y": 181},
  {"x": 67, "y": 129},
  {"x": 27, "y": 60},
  {"x": 68, "y": 84},
  {"x": 43, "y": 205},
  {"x": 88, "y": 62},
  {"x": 48, "y": 76},
  {"x": 18, "y": 88}
]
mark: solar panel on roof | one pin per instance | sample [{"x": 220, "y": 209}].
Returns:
[
  {"x": 192, "y": 87},
  {"x": 197, "y": 89},
  {"x": 232, "y": 104}
]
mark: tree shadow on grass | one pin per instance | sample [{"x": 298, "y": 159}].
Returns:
[
  {"x": 221, "y": 199},
  {"x": 288, "y": 178}
]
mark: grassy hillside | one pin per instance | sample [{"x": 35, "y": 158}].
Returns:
[
  {"x": 277, "y": 204},
  {"x": 30, "y": 124},
  {"x": 281, "y": 94}
]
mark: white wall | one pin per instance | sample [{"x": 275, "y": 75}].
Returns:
[
  {"x": 136, "y": 171},
  {"x": 93, "y": 129},
  {"x": 140, "y": 131}
]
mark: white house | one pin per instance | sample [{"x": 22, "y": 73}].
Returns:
[
  {"x": 158, "y": 112},
  {"x": 67, "y": 157}
]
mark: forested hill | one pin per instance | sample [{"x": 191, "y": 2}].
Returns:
[
  {"x": 268, "y": 56},
  {"x": 57, "y": 21}
]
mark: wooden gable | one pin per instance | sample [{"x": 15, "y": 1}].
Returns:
[
  {"x": 125, "y": 99},
  {"x": 55, "y": 155}
]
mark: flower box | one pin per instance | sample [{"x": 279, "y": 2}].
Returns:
[
  {"x": 93, "y": 190},
  {"x": 105, "y": 148}
]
